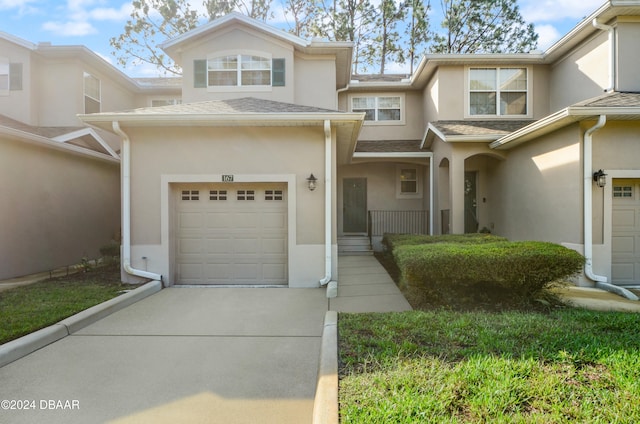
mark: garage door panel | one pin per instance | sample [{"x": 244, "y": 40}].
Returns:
[
  {"x": 625, "y": 240},
  {"x": 190, "y": 246},
  {"x": 623, "y": 245},
  {"x": 232, "y": 241},
  {"x": 245, "y": 221},
  {"x": 246, "y": 245},
  {"x": 189, "y": 220},
  {"x": 219, "y": 220},
  {"x": 274, "y": 221}
]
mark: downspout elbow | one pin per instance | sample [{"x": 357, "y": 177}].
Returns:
[{"x": 126, "y": 208}]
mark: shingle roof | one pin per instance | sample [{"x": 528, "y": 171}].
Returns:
[
  {"x": 232, "y": 106},
  {"x": 388, "y": 146},
  {"x": 493, "y": 127},
  {"x": 613, "y": 99},
  {"x": 48, "y": 132}
]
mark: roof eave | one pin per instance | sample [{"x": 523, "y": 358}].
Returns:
[{"x": 558, "y": 120}]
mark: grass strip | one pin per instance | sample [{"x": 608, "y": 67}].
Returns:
[
  {"x": 29, "y": 308},
  {"x": 476, "y": 367}
]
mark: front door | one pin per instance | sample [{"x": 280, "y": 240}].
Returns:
[
  {"x": 354, "y": 211},
  {"x": 470, "y": 203},
  {"x": 625, "y": 232}
]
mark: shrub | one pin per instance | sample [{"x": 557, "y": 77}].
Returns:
[
  {"x": 391, "y": 241},
  {"x": 523, "y": 268}
]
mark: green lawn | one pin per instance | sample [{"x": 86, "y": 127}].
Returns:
[
  {"x": 568, "y": 365},
  {"x": 29, "y": 308}
]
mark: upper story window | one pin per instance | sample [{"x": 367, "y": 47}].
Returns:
[
  {"x": 386, "y": 109},
  {"x": 498, "y": 91},
  {"x": 165, "y": 102},
  {"x": 230, "y": 71},
  {"x": 10, "y": 76},
  {"x": 91, "y": 93}
]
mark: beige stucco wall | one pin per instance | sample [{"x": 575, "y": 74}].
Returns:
[
  {"x": 627, "y": 55},
  {"x": 537, "y": 192},
  {"x": 581, "y": 74},
  {"x": 189, "y": 154},
  {"x": 57, "y": 207},
  {"x": 237, "y": 41},
  {"x": 314, "y": 81}
]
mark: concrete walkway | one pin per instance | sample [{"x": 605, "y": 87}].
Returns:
[{"x": 206, "y": 355}]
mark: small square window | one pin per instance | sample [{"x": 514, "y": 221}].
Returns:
[
  {"x": 246, "y": 195},
  {"x": 273, "y": 195},
  {"x": 408, "y": 181},
  {"x": 218, "y": 195},
  {"x": 190, "y": 195},
  {"x": 623, "y": 192}
]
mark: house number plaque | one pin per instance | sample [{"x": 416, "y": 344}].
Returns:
[{"x": 227, "y": 178}]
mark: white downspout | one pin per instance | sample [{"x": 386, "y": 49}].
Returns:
[
  {"x": 612, "y": 53},
  {"x": 126, "y": 208},
  {"x": 431, "y": 201},
  {"x": 588, "y": 194},
  {"x": 328, "y": 212}
]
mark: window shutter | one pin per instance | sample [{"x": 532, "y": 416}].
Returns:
[
  {"x": 277, "y": 72},
  {"x": 15, "y": 76},
  {"x": 200, "y": 73}
]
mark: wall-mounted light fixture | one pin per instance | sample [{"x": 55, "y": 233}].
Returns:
[
  {"x": 600, "y": 178},
  {"x": 312, "y": 182}
]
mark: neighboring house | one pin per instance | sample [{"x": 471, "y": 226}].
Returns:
[
  {"x": 59, "y": 178},
  {"x": 216, "y": 182}
]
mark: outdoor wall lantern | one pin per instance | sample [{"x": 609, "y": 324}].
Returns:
[
  {"x": 600, "y": 178},
  {"x": 312, "y": 182}
]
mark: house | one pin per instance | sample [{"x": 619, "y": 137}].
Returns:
[{"x": 273, "y": 157}]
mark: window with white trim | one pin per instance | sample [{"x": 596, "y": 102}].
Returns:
[
  {"x": 165, "y": 102},
  {"x": 378, "y": 108},
  {"x": 10, "y": 76},
  {"x": 408, "y": 182},
  {"x": 4, "y": 74},
  {"x": 91, "y": 93},
  {"x": 217, "y": 194},
  {"x": 273, "y": 195},
  {"x": 498, "y": 91},
  {"x": 239, "y": 70}
]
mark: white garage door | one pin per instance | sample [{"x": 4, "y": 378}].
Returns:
[
  {"x": 231, "y": 234},
  {"x": 625, "y": 246}
]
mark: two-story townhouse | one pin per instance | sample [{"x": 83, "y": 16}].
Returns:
[
  {"x": 218, "y": 189},
  {"x": 522, "y": 147},
  {"x": 59, "y": 178}
]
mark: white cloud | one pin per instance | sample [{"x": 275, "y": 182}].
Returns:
[
  {"x": 548, "y": 34},
  {"x": 556, "y": 10},
  {"x": 111, "y": 14},
  {"x": 69, "y": 28}
]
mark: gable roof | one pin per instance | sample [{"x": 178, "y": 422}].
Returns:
[
  {"x": 76, "y": 140},
  {"x": 615, "y": 105},
  {"x": 471, "y": 131}
]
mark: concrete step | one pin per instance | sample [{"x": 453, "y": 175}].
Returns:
[{"x": 354, "y": 245}]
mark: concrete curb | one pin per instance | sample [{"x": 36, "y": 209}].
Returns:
[
  {"x": 325, "y": 405},
  {"x": 25, "y": 345}
]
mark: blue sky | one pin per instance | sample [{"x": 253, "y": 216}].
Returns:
[{"x": 93, "y": 22}]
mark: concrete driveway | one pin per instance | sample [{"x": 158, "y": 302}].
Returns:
[{"x": 189, "y": 355}]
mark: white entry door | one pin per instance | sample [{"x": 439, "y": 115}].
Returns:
[
  {"x": 231, "y": 234},
  {"x": 625, "y": 246}
]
